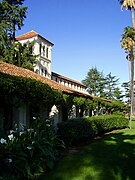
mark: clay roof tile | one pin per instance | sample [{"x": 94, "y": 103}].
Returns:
[
  {"x": 18, "y": 71},
  {"x": 31, "y": 34}
]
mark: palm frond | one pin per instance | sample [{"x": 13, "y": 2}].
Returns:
[
  {"x": 128, "y": 39},
  {"x": 128, "y": 4}
]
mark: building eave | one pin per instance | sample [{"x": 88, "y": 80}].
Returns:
[
  {"x": 32, "y": 34},
  {"x": 18, "y": 71},
  {"x": 68, "y": 79}
]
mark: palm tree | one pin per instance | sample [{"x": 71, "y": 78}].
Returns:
[{"x": 128, "y": 45}]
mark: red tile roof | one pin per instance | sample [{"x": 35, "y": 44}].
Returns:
[
  {"x": 18, "y": 71},
  {"x": 31, "y": 34}
]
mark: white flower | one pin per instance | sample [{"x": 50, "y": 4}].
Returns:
[
  {"x": 11, "y": 131},
  {"x": 3, "y": 141},
  {"x": 33, "y": 142},
  {"x": 29, "y": 147},
  {"x": 10, "y": 160},
  {"x": 21, "y": 133},
  {"x": 30, "y": 130},
  {"x": 11, "y": 137},
  {"x": 48, "y": 125}
]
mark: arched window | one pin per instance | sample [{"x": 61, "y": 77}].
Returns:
[
  {"x": 45, "y": 72},
  {"x": 37, "y": 71},
  {"x": 43, "y": 50},
  {"x": 47, "y": 51},
  {"x": 40, "y": 48}
]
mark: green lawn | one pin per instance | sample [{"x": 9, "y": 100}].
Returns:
[{"x": 109, "y": 158}]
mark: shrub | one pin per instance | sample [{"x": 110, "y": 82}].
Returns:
[
  {"x": 76, "y": 130},
  {"x": 107, "y": 123},
  {"x": 28, "y": 153}
]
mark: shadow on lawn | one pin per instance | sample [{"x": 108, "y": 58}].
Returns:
[{"x": 112, "y": 157}]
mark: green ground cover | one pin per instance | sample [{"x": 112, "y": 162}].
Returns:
[{"x": 111, "y": 157}]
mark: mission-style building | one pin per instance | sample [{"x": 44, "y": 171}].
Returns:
[{"x": 43, "y": 50}]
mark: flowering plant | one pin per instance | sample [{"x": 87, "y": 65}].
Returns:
[{"x": 28, "y": 153}]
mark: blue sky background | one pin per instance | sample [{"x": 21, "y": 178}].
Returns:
[{"x": 85, "y": 33}]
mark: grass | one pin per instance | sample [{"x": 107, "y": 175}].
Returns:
[{"x": 111, "y": 157}]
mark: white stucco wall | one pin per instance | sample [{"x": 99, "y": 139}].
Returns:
[
  {"x": 70, "y": 84},
  {"x": 43, "y": 65}
]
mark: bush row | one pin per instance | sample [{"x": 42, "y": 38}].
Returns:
[{"x": 82, "y": 129}]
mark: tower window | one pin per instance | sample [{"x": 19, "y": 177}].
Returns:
[
  {"x": 43, "y": 50},
  {"x": 42, "y": 71},
  {"x": 40, "y": 48},
  {"x": 37, "y": 71},
  {"x": 47, "y": 52},
  {"x": 45, "y": 72}
]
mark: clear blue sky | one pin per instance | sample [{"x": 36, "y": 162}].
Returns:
[{"x": 85, "y": 33}]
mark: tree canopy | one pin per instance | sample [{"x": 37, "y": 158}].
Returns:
[
  {"x": 12, "y": 15},
  {"x": 101, "y": 85},
  {"x": 95, "y": 82}
]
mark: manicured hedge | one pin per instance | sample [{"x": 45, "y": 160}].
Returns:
[
  {"x": 82, "y": 129},
  {"x": 109, "y": 122}
]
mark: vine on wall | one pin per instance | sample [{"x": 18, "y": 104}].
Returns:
[{"x": 37, "y": 93}]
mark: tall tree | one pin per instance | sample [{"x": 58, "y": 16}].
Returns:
[
  {"x": 21, "y": 55},
  {"x": 103, "y": 86},
  {"x": 126, "y": 86},
  {"x": 111, "y": 84},
  {"x": 95, "y": 82},
  {"x": 118, "y": 94},
  {"x": 130, "y": 5},
  {"x": 127, "y": 42},
  {"x": 12, "y": 15}
]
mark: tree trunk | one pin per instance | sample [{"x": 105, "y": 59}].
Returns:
[
  {"x": 133, "y": 19},
  {"x": 132, "y": 85},
  {"x": 132, "y": 74}
]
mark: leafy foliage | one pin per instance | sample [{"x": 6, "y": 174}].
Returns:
[
  {"x": 82, "y": 129},
  {"x": 29, "y": 153},
  {"x": 107, "y": 123},
  {"x": 128, "y": 4},
  {"x": 20, "y": 55},
  {"x": 12, "y": 15},
  {"x": 128, "y": 41},
  {"x": 95, "y": 81},
  {"x": 101, "y": 85},
  {"x": 26, "y": 89},
  {"x": 126, "y": 86},
  {"x": 15, "y": 90},
  {"x": 110, "y": 87},
  {"x": 74, "y": 130}
]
